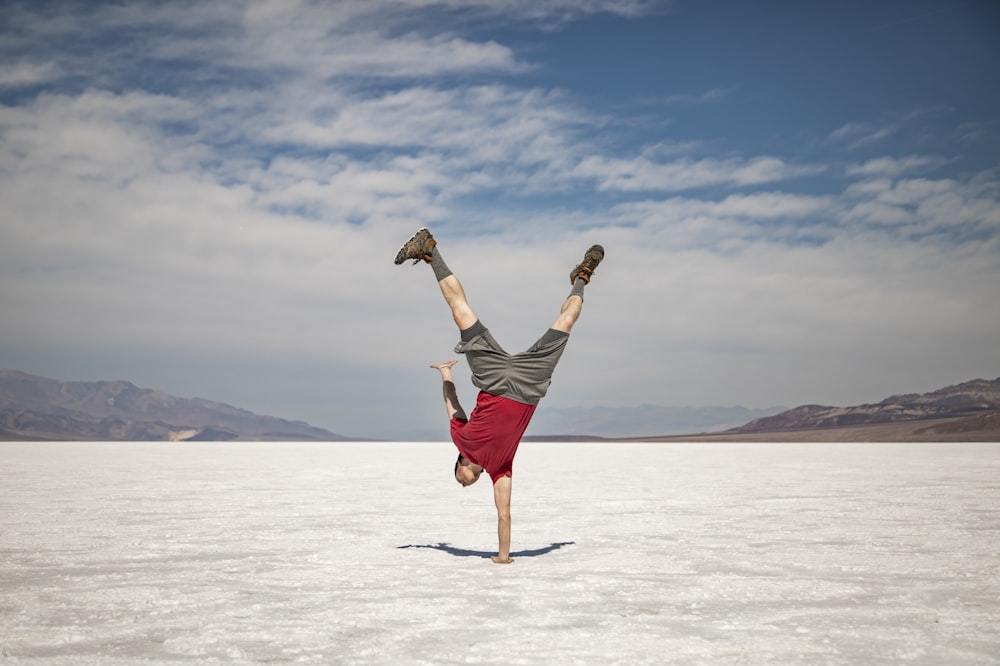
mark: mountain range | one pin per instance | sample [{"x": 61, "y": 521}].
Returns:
[
  {"x": 33, "y": 407},
  {"x": 969, "y": 399},
  {"x": 969, "y": 411},
  {"x": 641, "y": 420}
]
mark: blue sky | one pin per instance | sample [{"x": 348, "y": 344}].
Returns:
[{"x": 799, "y": 201}]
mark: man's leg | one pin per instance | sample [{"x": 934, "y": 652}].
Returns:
[
  {"x": 579, "y": 277},
  {"x": 571, "y": 308},
  {"x": 423, "y": 247},
  {"x": 454, "y": 295},
  {"x": 530, "y": 374}
]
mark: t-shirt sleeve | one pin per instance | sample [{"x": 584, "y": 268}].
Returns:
[{"x": 506, "y": 471}]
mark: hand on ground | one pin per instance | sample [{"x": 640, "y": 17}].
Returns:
[{"x": 496, "y": 560}]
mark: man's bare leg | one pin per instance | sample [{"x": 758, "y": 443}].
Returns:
[
  {"x": 579, "y": 277},
  {"x": 454, "y": 295},
  {"x": 451, "y": 289},
  {"x": 423, "y": 247},
  {"x": 450, "y": 394},
  {"x": 569, "y": 313}
]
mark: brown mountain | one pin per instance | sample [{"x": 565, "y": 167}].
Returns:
[
  {"x": 970, "y": 402},
  {"x": 34, "y": 407}
]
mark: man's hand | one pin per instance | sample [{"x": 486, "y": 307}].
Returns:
[{"x": 496, "y": 560}]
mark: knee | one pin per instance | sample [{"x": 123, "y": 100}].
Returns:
[
  {"x": 464, "y": 317},
  {"x": 565, "y": 321}
]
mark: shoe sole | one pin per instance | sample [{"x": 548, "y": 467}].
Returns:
[
  {"x": 579, "y": 271},
  {"x": 401, "y": 255}
]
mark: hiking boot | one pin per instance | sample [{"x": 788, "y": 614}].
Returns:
[
  {"x": 417, "y": 248},
  {"x": 589, "y": 264}
]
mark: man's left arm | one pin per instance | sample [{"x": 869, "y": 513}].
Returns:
[{"x": 501, "y": 495}]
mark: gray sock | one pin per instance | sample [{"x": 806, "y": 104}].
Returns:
[
  {"x": 578, "y": 286},
  {"x": 441, "y": 270}
]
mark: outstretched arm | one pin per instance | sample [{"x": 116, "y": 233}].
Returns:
[
  {"x": 450, "y": 394},
  {"x": 501, "y": 495}
]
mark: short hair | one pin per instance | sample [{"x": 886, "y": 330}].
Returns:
[{"x": 457, "y": 463}]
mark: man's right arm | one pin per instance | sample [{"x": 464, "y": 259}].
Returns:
[
  {"x": 501, "y": 496},
  {"x": 450, "y": 394}
]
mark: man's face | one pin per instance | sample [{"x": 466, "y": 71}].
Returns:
[{"x": 466, "y": 474}]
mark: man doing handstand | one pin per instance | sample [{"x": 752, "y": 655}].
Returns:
[{"x": 510, "y": 385}]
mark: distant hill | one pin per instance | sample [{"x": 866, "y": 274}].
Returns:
[
  {"x": 34, "y": 407},
  {"x": 965, "y": 412},
  {"x": 644, "y": 420},
  {"x": 982, "y": 428},
  {"x": 971, "y": 401}
]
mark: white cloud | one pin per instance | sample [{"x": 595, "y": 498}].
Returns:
[
  {"x": 492, "y": 122},
  {"x": 978, "y": 133},
  {"x": 642, "y": 173},
  {"x": 892, "y": 167},
  {"x": 28, "y": 73},
  {"x": 548, "y": 9},
  {"x": 769, "y": 205},
  {"x": 920, "y": 206},
  {"x": 707, "y": 97},
  {"x": 310, "y": 52},
  {"x": 858, "y": 135}
]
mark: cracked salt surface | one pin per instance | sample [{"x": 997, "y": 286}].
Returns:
[{"x": 181, "y": 553}]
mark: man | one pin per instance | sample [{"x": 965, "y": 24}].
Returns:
[{"x": 510, "y": 385}]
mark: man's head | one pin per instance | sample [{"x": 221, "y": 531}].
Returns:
[{"x": 466, "y": 472}]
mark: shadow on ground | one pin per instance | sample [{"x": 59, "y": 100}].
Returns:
[{"x": 462, "y": 552}]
